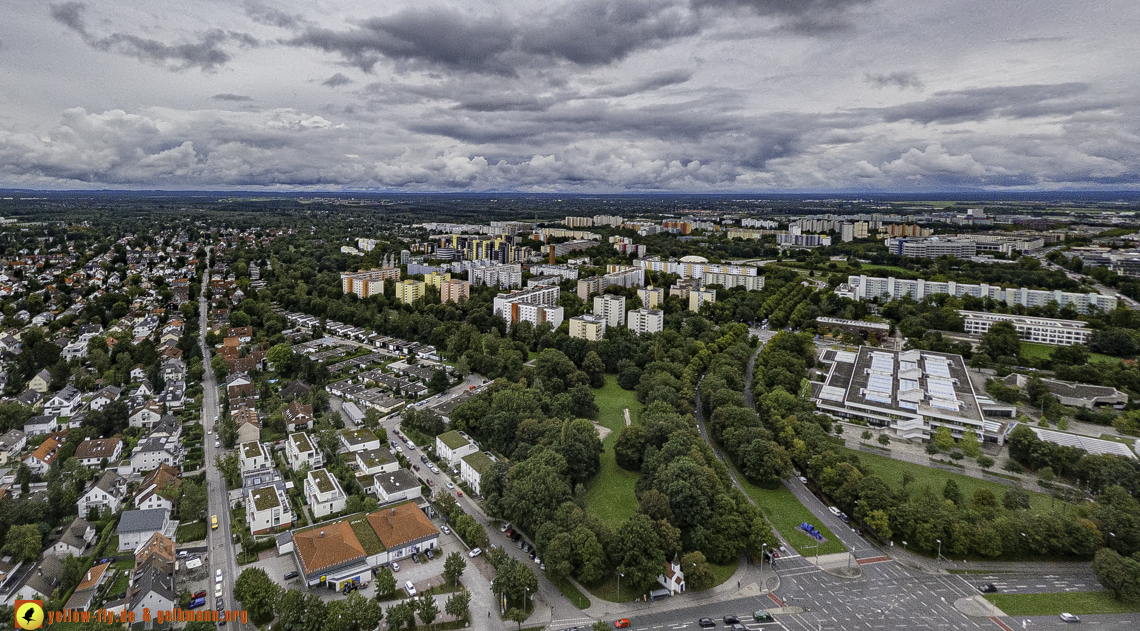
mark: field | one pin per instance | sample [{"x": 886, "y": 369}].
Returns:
[
  {"x": 1043, "y": 351},
  {"x": 609, "y": 496},
  {"x": 891, "y": 471},
  {"x": 786, "y": 514},
  {"x": 1079, "y": 603}
]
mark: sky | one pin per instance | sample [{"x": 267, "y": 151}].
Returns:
[{"x": 579, "y": 95}]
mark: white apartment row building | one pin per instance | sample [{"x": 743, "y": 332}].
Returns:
[
  {"x": 693, "y": 267},
  {"x": 535, "y": 305},
  {"x": 1040, "y": 330},
  {"x": 867, "y": 287}
]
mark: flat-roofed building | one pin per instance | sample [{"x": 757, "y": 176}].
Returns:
[
  {"x": 651, "y": 297},
  {"x": 300, "y": 451},
  {"x": 856, "y": 326},
  {"x": 1040, "y": 330},
  {"x": 409, "y": 291},
  {"x": 1078, "y": 395},
  {"x": 472, "y": 468},
  {"x": 454, "y": 290},
  {"x": 323, "y": 493},
  {"x": 436, "y": 279},
  {"x": 611, "y": 308},
  {"x": 368, "y": 283},
  {"x": 728, "y": 281},
  {"x": 910, "y": 392},
  {"x": 453, "y": 445},
  {"x": 535, "y": 305},
  {"x": 868, "y": 287},
  {"x": 700, "y": 297},
  {"x": 588, "y": 327},
  {"x": 642, "y": 321}
]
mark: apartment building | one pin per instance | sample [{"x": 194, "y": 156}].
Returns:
[
  {"x": 692, "y": 267},
  {"x": 645, "y": 321},
  {"x": 454, "y": 290},
  {"x": 1041, "y": 330},
  {"x": 611, "y": 308},
  {"x": 728, "y": 281},
  {"x": 651, "y": 297},
  {"x": 701, "y": 297},
  {"x": 535, "y": 305},
  {"x": 409, "y": 291},
  {"x": 588, "y": 327},
  {"x": 368, "y": 283},
  {"x": 868, "y": 287}
]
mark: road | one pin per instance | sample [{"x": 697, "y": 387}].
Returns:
[{"x": 222, "y": 553}]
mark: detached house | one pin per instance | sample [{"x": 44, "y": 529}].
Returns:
[
  {"x": 323, "y": 493},
  {"x": 107, "y": 494},
  {"x": 76, "y": 538},
  {"x": 154, "y": 452},
  {"x": 253, "y": 457},
  {"x": 373, "y": 461},
  {"x": 266, "y": 508},
  {"x": 299, "y": 451},
  {"x": 359, "y": 440},
  {"x": 156, "y": 486},
  {"x": 94, "y": 453},
  {"x": 105, "y": 397},
  {"x": 11, "y": 444},
  {"x": 173, "y": 370},
  {"x": 40, "y": 460},
  {"x": 40, "y": 425},
  {"x": 452, "y": 446},
  {"x": 146, "y": 415},
  {"x": 248, "y": 425},
  {"x": 298, "y": 416},
  {"x": 137, "y": 526},
  {"x": 40, "y": 382},
  {"x": 238, "y": 385},
  {"x": 66, "y": 402}
]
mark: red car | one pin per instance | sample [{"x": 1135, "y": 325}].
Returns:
[
  {"x": 621, "y": 624},
  {"x": 459, "y": 493}
]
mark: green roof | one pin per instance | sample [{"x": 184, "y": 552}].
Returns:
[
  {"x": 453, "y": 439},
  {"x": 358, "y": 436},
  {"x": 479, "y": 462},
  {"x": 301, "y": 439},
  {"x": 251, "y": 449},
  {"x": 265, "y": 498},
  {"x": 324, "y": 483},
  {"x": 374, "y": 457}
]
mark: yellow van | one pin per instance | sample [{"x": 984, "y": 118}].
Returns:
[{"x": 214, "y": 522}]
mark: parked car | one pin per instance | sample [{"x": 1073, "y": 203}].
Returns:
[
  {"x": 803, "y": 479},
  {"x": 219, "y": 603},
  {"x": 730, "y": 620},
  {"x": 450, "y": 485},
  {"x": 706, "y": 623},
  {"x": 459, "y": 493},
  {"x": 434, "y": 469},
  {"x": 621, "y": 624},
  {"x": 988, "y": 588},
  {"x": 1068, "y": 617},
  {"x": 834, "y": 510},
  {"x": 445, "y": 529},
  {"x": 762, "y": 616},
  {"x": 201, "y": 594},
  {"x": 739, "y": 627},
  {"x": 415, "y": 557},
  {"x": 429, "y": 554},
  {"x": 504, "y": 527},
  {"x": 292, "y": 575},
  {"x": 474, "y": 553},
  {"x": 218, "y": 590},
  {"x": 416, "y": 467},
  {"x": 395, "y": 567},
  {"x": 410, "y": 588},
  {"x": 218, "y": 576}
]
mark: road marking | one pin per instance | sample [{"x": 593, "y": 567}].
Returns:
[{"x": 1001, "y": 624}]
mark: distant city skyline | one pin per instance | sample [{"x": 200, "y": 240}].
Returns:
[{"x": 702, "y": 96}]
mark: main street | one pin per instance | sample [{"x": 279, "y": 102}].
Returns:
[{"x": 222, "y": 553}]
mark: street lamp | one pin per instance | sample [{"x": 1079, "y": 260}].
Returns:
[
  {"x": 939, "y": 559},
  {"x": 763, "y": 553},
  {"x": 619, "y": 575}
]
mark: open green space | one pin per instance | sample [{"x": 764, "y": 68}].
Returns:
[
  {"x": 891, "y": 471},
  {"x": 1079, "y": 603},
  {"x": 608, "y": 589},
  {"x": 191, "y": 532},
  {"x": 570, "y": 591},
  {"x": 885, "y": 269},
  {"x": 609, "y": 495},
  {"x": 1044, "y": 351},
  {"x": 786, "y": 513}
]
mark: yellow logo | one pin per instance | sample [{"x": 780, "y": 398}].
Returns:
[{"x": 29, "y": 614}]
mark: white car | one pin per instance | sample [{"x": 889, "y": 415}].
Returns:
[
  {"x": 217, "y": 444},
  {"x": 1068, "y": 617},
  {"x": 445, "y": 530},
  {"x": 450, "y": 485},
  {"x": 218, "y": 576},
  {"x": 834, "y": 511},
  {"x": 218, "y": 590},
  {"x": 475, "y": 552},
  {"x": 434, "y": 469},
  {"x": 395, "y": 566},
  {"x": 410, "y": 588}
]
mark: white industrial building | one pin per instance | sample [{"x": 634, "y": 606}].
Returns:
[
  {"x": 910, "y": 392},
  {"x": 1040, "y": 330},
  {"x": 868, "y": 287}
]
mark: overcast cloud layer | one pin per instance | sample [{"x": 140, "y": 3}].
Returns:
[{"x": 577, "y": 95}]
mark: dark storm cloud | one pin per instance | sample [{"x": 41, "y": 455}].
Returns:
[
  {"x": 901, "y": 80},
  {"x": 506, "y": 102},
  {"x": 337, "y": 80},
  {"x": 647, "y": 84},
  {"x": 435, "y": 36},
  {"x": 225, "y": 96},
  {"x": 206, "y": 53},
  {"x": 1021, "y": 101},
  {"x": 804, "y": 17},
  {"x": 598, "y": 32}
]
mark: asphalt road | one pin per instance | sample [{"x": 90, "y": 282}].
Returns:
[{"x": 222, "y": 554}]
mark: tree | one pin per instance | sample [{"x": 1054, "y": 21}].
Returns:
[
  {"x": 457, "y": 605},
  {"x": 438, "y": 382},
  {"x": 24, "y": 542},
  {"x": 884, "y": 439},
  {"x": 401, "y": 614},
  {"x": 1001, "y": 342},
  {"x": 879, "y": 523},
  {"x": 1015, "y": 499},
  {"x": 593, "y": 366},
  {"x": 427, "y": 608},
  {"x": 942, "y": 438},
  {"x": 385, "y": 582},
  {"x": 192, "y": 506},
  {"x": 698, "y": 573},
  {"x": 281, "y": 356},
  {"x": 984, "y": 498},
  {"x": 229, "y": 467},
  {"x": 952, "y": 492},
  {"x": 356, "y": 613},
  {"x": 517, "y": 615},
  {"x": 453, "y": 567},
  {"x": 637, "y": 552},
  {"x": 257, "y": 593},
  {"x": 969, "y": 444},
  {"x": 630, "y": 447},
  {"x": 1118, "y": 574},
  {"x": 227, "y": 431},
  {"x": 600, "y": 625}
]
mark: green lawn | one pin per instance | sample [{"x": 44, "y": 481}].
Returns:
[
  {"x": 786, "y": 514},
  {"x": 571, "y": 592},
  {"x": 607, "y": 589},
  {"x": 891, "y": 471},
  {"x": 609, "y": 496},
  {"x": 886, "y": 269},
  {"x": 1044, "y": 351},
  {"x": 1079, "y": 603}
]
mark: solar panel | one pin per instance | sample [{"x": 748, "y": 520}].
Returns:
[
  {"x": 940, "y": 388},
  {"x": 879, "y": 383},
  {"x": 831, "y": 393},
  {"x": 879, "y": 398},
  {"x": 905, "y": 365},
  {"x": 938, "y": 369},
  {"x": 908, "y": 405},
  {"x": 882, "y": 364},
  {"x": 944, "y": 404},
  {"x": 847, "y": 357},
  {"x": 907, "y": 384}
]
